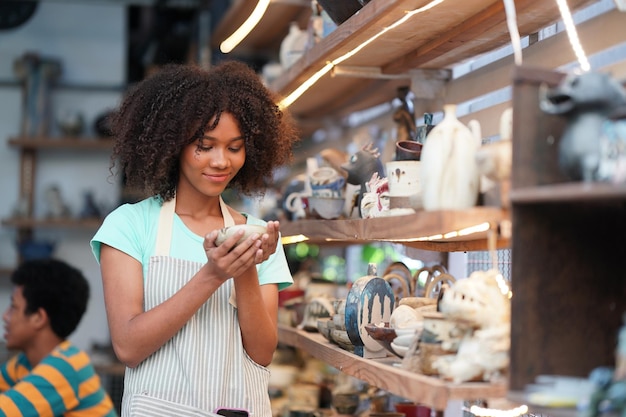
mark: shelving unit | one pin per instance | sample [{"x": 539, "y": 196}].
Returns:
[
  {"x": 30, "y": 147},
  {"x": 386, "y": 374},
  {"x": 568, "y": 249},
  {"x": 567, "y": 239}
]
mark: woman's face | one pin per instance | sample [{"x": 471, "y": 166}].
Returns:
[{"x": 209, "y": 164}]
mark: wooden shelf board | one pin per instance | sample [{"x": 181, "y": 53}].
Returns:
[
  {"x": 569, "y": 192},
  {"x": 405, "y": 229},
  {"x": 61, "y": 143},
  {"x": 437, "y": 38},
  {"x": 53, "y": 223},
  {"x": 386, "y": 374}
]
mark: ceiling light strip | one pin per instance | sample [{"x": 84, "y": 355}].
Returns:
[
  {"x": 240, "y": 34},
  {"x": 572, "y": 34},
  {"x": 294, "y": 95}
]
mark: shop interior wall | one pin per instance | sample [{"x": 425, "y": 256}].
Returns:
[{"x": 89, "y": 41}]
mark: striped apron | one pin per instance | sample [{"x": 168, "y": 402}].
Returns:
[{"x": 202, "y": 367}]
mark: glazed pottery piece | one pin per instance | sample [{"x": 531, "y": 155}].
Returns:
[
  {"x": 384, "y": 334},
  {"x": 404, "y": 179},
  {"x": 340, "y": 10},
  {"x": 360, "y": 168},
  {"x": 249, "y": 230},
  {"x": 449, "y": 174},
  {"x": 326, "y": 182},
  {"x": 408, "y": 150},
  {"x": 370, "y": 300}
]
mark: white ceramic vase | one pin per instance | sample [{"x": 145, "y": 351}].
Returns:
[{"x": 449, "y": 174}]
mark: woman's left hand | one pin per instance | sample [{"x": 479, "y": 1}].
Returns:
[{"x": 269, "y": 241}]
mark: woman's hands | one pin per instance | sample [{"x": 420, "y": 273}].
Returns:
[
  {"x": 231, "y": 259},
  {"x": 269, "y": 241}
]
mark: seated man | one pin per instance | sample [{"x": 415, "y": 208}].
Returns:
[{"x": 49, "y": 376}]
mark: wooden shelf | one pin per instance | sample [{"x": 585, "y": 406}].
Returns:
[
  {"x": 53, "y": 223},
  {"x": 386, "y": 373},
  {"x": 436, "y": 38},
  {"x": 81, "y": 143},
  {"x": 569, "y": 192},
  {"x": 421, "y": 230}
]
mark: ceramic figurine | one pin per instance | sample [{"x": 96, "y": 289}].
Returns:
[
  {"x": 424, "y": 130},
  {"x": 360, "y": 168},
  {"x": 404, "y": 116},
  {"x": 57, "y": 208},
  {"x": 38, "y": 74},
  {"x": 586, "y": 101},
  {"x": 293, "y": 46},
  {"x": 449, "y": 174},
  {"x": 375, "y": 201},
  {"x": 481, "y": 304},
  {"x": 495, "y": 161}
]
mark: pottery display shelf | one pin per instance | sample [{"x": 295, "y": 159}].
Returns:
[
  {"x": 443, "y": 231},
  {"x": 385, "y": 373}
]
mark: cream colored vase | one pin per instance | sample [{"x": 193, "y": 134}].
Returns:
[{"x": 450, "y": 177}]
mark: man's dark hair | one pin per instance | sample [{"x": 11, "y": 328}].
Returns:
[{"x": 60, "y": 289}]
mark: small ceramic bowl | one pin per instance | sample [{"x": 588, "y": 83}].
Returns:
[
  {"x": 383, "y": 334},
  {"x": 249, "y": 230},
  {"x": 327, "y": 207}
]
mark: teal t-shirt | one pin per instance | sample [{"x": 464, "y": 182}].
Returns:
[{"x": 132, "y": 229}]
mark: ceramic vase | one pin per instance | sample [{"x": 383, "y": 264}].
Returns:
[{"x": 449, "y": 174}]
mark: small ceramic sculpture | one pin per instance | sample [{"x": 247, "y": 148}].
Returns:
[
  {"x": 293, "y": 46},
  {"x": 481, "y": 304},
  {"x": 57, "y": 208},
  {"x": 360, "y": 168},
  {"x": 449, "y": 175},
  {"x": 494, "y": 161},
  {"x": 404, "y": 116},
  {"x": 375, "y": 201},
  {"x": 586, "y": 101}
]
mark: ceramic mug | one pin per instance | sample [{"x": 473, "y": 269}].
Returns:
[
  {"x": 411, "y": 409},
  {"x": 408, "y": 150},
  {"x": 404, "y": 178},
  {"x": 326, "y": 182}
]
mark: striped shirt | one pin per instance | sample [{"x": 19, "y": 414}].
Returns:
[{"x": 64, "y": 383}]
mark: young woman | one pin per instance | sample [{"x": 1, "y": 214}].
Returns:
[{"x": 195, "y": 322}]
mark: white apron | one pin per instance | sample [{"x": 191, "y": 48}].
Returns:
[{"x": 204, "y": 366}]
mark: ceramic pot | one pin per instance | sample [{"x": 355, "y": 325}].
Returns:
[
  {"x": 408, "y": 150},
  {"x": 340, "y": 10},
  {"x": 370, "y": 300},
  {"x": 450, "y": 177}
]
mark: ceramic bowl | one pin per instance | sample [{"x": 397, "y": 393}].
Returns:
[
  {"x": 400, "y": 350},
  {"x": 341, "y": 338},
  {"x": 383, "y": 334},
  {"x": 323, "y": 326},
  {"x": 345, "y": 403},
  {"x": 249, "y": 230},
  {"x": 327, "y": 207}
]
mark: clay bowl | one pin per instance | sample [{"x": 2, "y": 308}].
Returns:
[
  {"x": 384, "y": 335},
  {"x": 249, "y": 230},
  {"x": 327, "y": 207}
]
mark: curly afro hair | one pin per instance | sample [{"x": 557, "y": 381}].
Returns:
[{"x": 176, "y": 105}]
